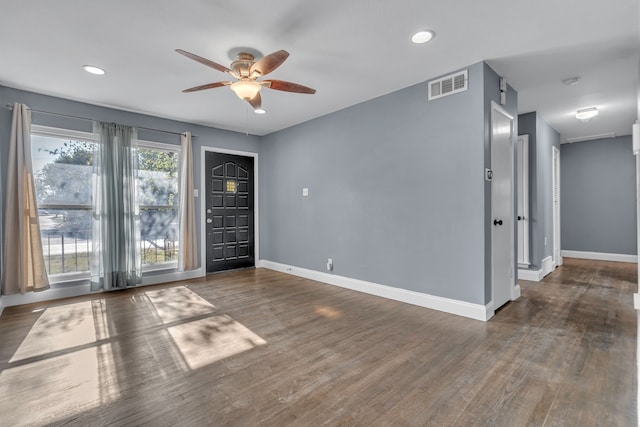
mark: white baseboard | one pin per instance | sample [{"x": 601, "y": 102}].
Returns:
[
  {"x": 1, "y": 304},
  {"x": 48, "y": 295},
  {"x": 558, "y": 262},
  {"x": 83, "y": 288},
  {"x": 537, "y": 275},
  {"x": 530, "y": 275},
  {"x": 447, "y": 305},
  {"x": 515, "y": 292},
  {"x": 636, "y": 301},
  {"x": 600, "y": 256},
  {"x": 547, "y": 266},
  {"x": 173, "y": 277}
]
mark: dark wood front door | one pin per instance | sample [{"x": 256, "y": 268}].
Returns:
[{"x": 229, "y": 211}]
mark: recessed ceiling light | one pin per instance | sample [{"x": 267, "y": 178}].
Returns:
[
  {"x": 586, "y": 114},
  {"x": 422, "y": 36},
  {"x": 93, "y": 70},
  {"x": 260, "y": 111},
  {"x": 571, "y": 81}
]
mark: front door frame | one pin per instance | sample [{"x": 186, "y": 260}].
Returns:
[{"x": 203, "y": 201}]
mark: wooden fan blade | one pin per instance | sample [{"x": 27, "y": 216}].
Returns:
[
  {"x": 256, "y": 101},
  {"x": 287, "y": 86},
  {"x": 270, "y": 62},
  {"x": 204, "y": 61},
  {"x": 207, "y": 86}
]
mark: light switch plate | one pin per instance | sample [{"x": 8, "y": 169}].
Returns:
[
  {"x": 305, "y": 192},
  {"x": 195, "y": 192}
]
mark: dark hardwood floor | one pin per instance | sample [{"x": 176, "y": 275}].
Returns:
[{"x": 257, "y": 347}]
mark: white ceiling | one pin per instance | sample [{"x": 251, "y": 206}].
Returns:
[{"x": 349, "y": 50}]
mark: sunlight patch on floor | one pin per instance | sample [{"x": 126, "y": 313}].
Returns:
[
  {"x": 178, "y": 303},
  {"x": 58, "y": 328},
  {"x": 59, "y": 369},
  {"x": 74, "y": 357},
  {"x": 209, "y": 340},
  {"x": 54, "y": 388},
  {"x": 328, "y": 312}
]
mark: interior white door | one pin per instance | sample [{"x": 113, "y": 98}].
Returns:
[
  {"x": 502, "y": 206},
  {"x": 522, "y": 194},
  {"x": 555, "y": 179}
]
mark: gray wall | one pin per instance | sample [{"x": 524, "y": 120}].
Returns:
[
  {"x": 541, "y": 138},
  {"x": 396, "y": 192},
  {"x": 598, "y": 202},
  {"x": 206, "y": 136},
  {"x": 396, "y": 185}
]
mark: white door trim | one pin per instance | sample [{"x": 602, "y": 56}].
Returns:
[
  {"x": 203, "y": 201},
  {"x": 555, "y": 186},
  {"x": 523, "y": 200},
  {"x": 514, "y": 290}
]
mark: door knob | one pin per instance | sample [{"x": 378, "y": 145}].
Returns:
[
  {"x": 209, "y": 221},
  {"x": 497, "y": 222},
  {"x": 520, "y": 218}
]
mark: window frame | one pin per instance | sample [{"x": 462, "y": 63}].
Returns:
[
  {"x": 76, "y": 135},
  {"x": 146, "y": 144}
]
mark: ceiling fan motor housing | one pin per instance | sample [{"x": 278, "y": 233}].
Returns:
[{"x": 242, "y": 65}]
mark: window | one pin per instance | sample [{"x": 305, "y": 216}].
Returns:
[
  {"x": 63, "y": 166},
  {"x": 158, "y": 199}
]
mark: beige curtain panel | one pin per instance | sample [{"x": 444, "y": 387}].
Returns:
[
  {"x": 188, "y": 245},
  {"x": 23, "y": 268}
]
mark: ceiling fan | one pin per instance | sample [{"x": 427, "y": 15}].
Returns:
[{"x": 247, "y": 71}]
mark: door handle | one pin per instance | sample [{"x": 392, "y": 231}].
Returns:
[
  {"x": 209, "y": 221},
  {"x": 520, "y": 218},
  {"x": 497, "y": 222}
]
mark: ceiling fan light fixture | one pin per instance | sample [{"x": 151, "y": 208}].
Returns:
[
  {"x": 246, "y": 89},
  {"x": 422, "y": 36},
  {"x": 247, "y": 70},
  {"x": 586, "y": 114}
]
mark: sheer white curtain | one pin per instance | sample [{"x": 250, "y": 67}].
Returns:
[
  {"x": 188, "y": 245},
  {"x": 23, "y": 268},
  {"x": 115, "y": 260}
]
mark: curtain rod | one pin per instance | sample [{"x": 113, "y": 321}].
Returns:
[{"x": 10, "y": 107}]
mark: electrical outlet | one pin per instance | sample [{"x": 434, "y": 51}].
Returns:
[
  {"x": 330, "y": 264},
  {"x": 545, "y": 240}
]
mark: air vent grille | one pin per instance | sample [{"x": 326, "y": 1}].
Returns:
[
  {"x": 448, "y": 85},
  {"x": 434, "y": 90},
  {"x": 459, "y": 82}
]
